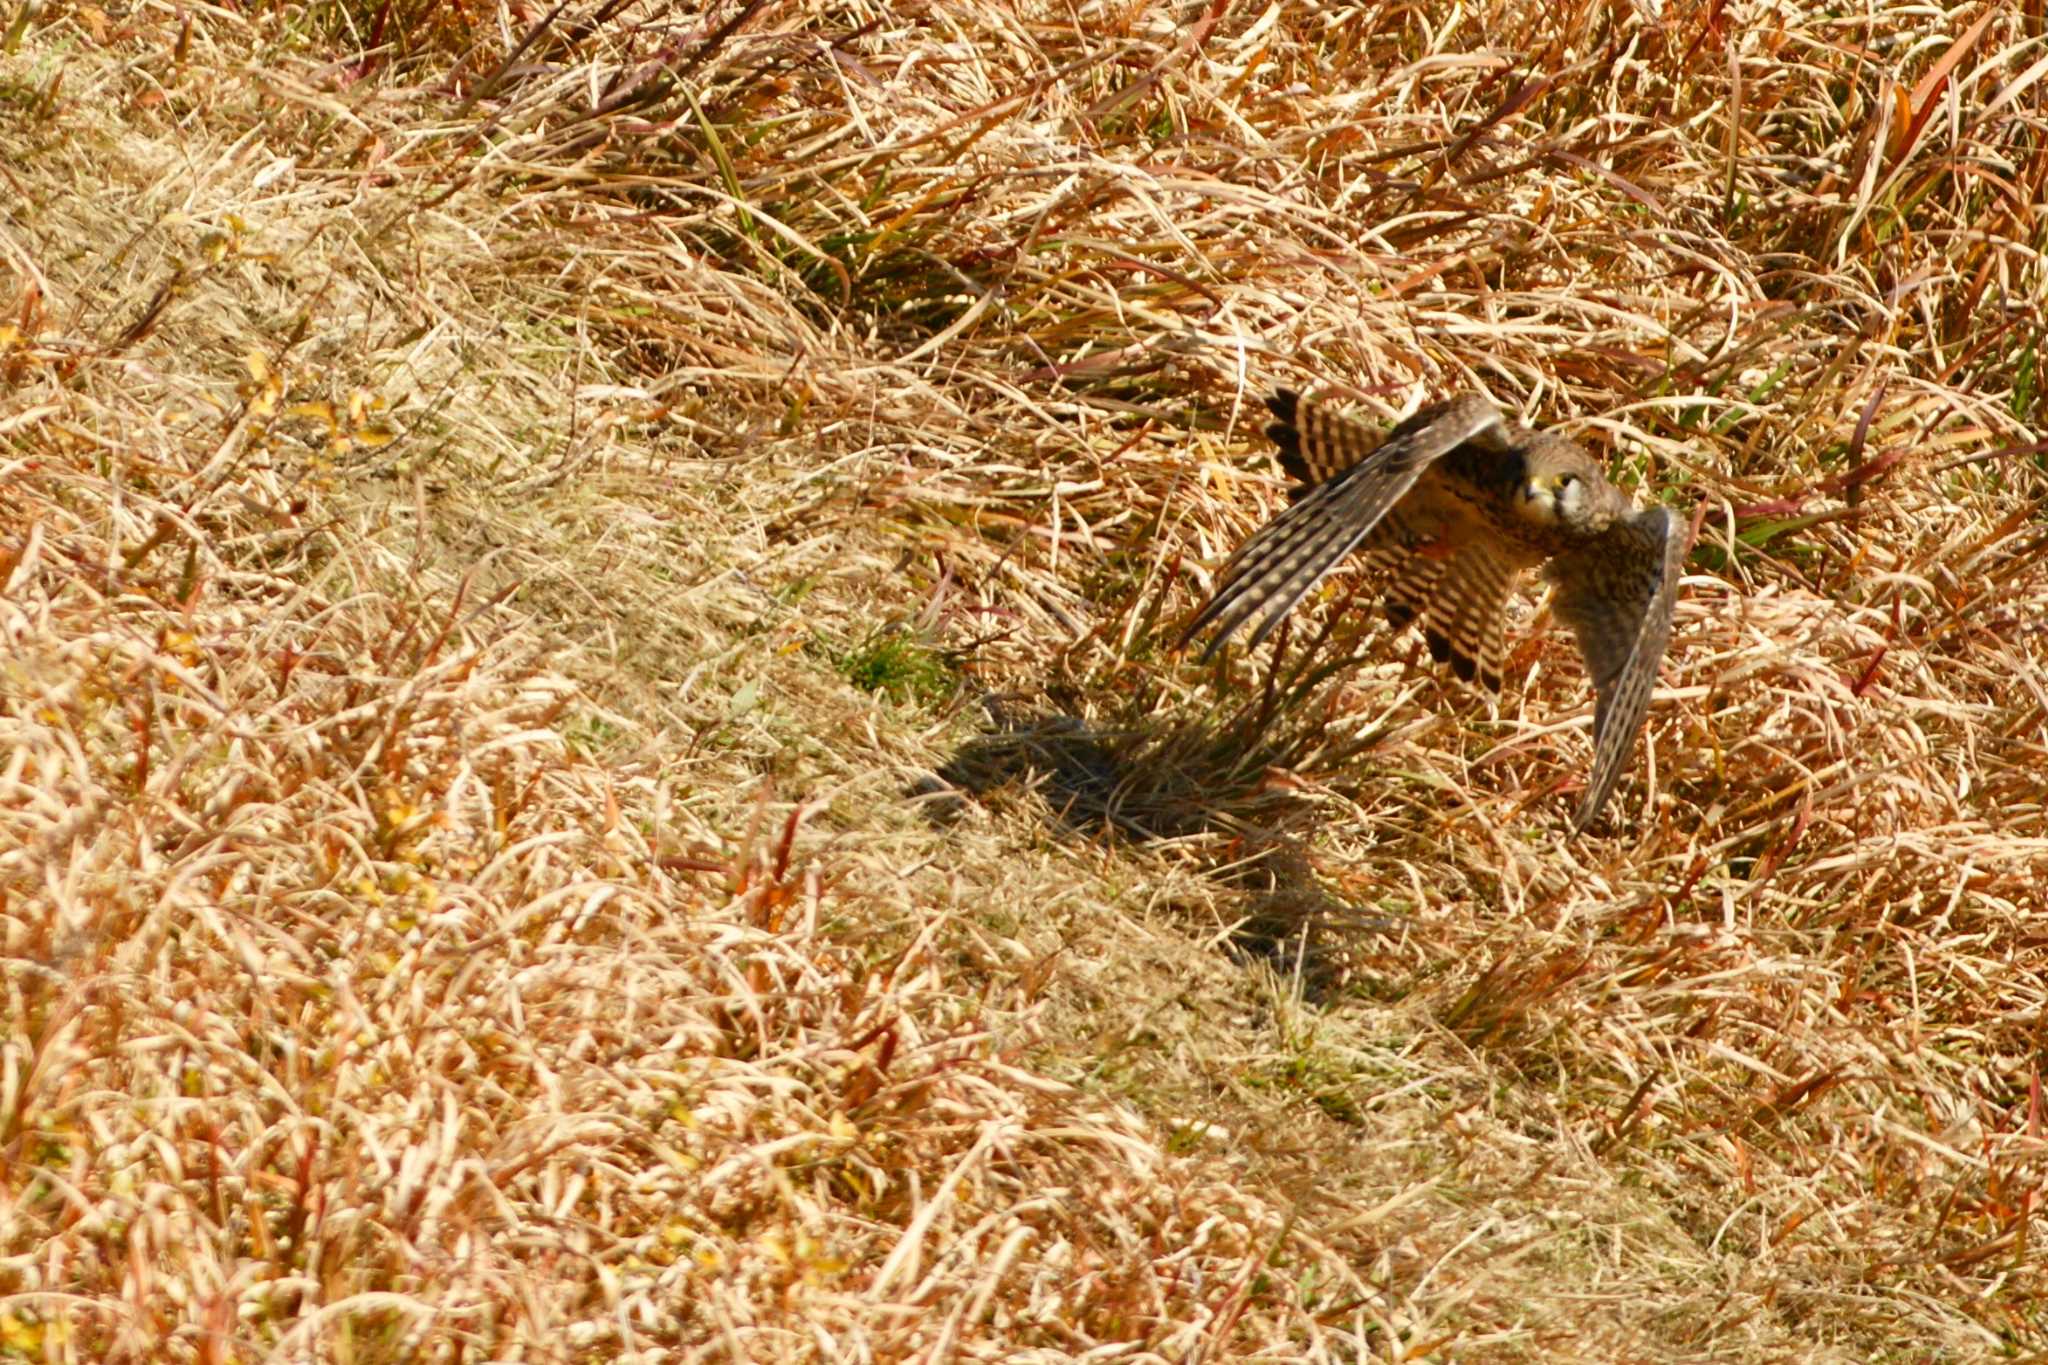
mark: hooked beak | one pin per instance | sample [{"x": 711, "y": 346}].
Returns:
[{"x": 1539, "y": 497}]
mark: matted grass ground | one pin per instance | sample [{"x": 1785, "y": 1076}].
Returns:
[{"x": 590, "y": 768}]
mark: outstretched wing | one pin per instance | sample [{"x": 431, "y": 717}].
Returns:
[
  {"x": 1617, "y": 594},
  {"x": 1290, "y": 554}
]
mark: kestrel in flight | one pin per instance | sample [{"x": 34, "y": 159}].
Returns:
[{"x": 1452, "y": 507}]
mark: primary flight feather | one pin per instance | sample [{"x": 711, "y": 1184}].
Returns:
[{"x": 1453, "y": 505}]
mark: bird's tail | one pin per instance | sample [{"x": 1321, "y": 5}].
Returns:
[
  {"x": 1464, "y": 624},
  {"x": 1310, "y": 464}
]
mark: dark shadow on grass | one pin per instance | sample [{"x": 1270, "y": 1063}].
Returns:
[{"x": 1160, "y": 776}]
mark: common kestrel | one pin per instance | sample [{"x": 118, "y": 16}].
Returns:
[{"x": 1452, "y": 507}]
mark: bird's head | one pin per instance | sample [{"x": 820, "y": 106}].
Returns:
[{"x": 1562, "y": 488}]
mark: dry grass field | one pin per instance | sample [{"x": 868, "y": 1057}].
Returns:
[{"x": 592, "y": 768}]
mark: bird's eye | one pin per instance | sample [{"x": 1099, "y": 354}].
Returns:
[{"x": 1566, "y": 482}]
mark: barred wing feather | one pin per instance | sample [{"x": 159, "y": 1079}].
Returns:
[
  {"x": 1287, "y": 557},
  {"x": 1617, "y": 595}
]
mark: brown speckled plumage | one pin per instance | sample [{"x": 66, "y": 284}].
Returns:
[{"x": 1453, "y": 506}]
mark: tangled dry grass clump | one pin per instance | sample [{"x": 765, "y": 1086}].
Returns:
[{"x": 590, "y": 767}]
